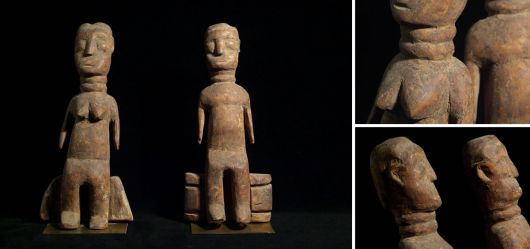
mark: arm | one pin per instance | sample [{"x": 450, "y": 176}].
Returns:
[
  {"x": 473, "y": 54},
  {"x": 474, "y": 71},
  {"x": 375, "y": 115},
  {"x": 200, "y": 116},
  {"x": 388, "y": 92},
  {"x": 248, "y": 122},
  {"x": 462, "y": 98},
  {"x": 64, "y": 128},
  {"x": 115, "y": 125}
]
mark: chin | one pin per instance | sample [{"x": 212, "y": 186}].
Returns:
[
  {"x": 222, "y": 66},
  {"x": 91, "y": 71}
]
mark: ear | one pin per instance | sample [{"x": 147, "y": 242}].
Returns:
[
  {"x": 394, "y": 167},
  {"x": 483, "y": 171}
]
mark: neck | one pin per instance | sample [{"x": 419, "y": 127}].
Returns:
[
  {"x": 416, "y": 224},
  {"x": 504, "y": 214},
  {"x": 228, "y": 76},
  {"x": 426, "y": 42},
  {"x": 93, "y": 84}
]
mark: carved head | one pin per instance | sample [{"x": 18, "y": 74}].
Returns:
[
  {"x": 427, "y": 12},
  {"x": 491, "y": 172},
  {"x": 506, "y": 6},
  {"x": 94, "y": 45},
  {"x": 403, "y": 177},
  {"x": 222, "y": 47}
]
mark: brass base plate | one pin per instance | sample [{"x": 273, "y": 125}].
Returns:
[
  {"x": 114, "y": 228},
  {"x": 223, "y": 229}
]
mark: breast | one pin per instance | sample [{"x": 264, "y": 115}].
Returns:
[
  {"x": 424, "y": 92},
  {"x": 90, "y": 133}
]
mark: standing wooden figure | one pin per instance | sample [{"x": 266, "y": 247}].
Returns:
[
  {"x": 92, "y": 111},
  {"x": 424, "y": 83},
  {"x": 493, "y": 177},
  {"x": 498, "y": 58},
  {"x": 228, "y": 106},
  {"x": 404, "y": 180}
]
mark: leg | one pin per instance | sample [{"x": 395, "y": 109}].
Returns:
[
  {"x": 241, "y": 192},
  {"x": 215, "y": 206},
  {"x": 70, "y": 182},
  {"x": 99, "y": 194}
]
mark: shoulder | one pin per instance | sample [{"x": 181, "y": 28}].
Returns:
[
  {"x": 241, "y": 90},
  {"x": 396, "y": 68},
  {"x": 479, "y": 31},
  {"x": 206, "y": 92},
  {"x": 477, "y": 39},
  {"x": 457, "y": 65},
  {"x": 458, "y": 71},
  {"x": 398, "y": 64},
  {"x": 78, "y": 97},
  {"x": 484, "y": 25},
  {"x": 110, "y": 98}
]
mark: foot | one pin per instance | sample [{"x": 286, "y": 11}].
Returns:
[
  {"x": 69, "y": 220},
  {"x": 242, "y": 215},
  {"x": 216, "y": 214},
  {"x": 98, "y": 222}
]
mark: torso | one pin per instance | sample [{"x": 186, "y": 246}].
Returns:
[
  {"x": 90, "y": 134},
  {"x": 225, "y": 103},
  {"x": 504, "y": 50},
  {"x": 513, "y": 234},
  {"x": 424, "y": 92}
]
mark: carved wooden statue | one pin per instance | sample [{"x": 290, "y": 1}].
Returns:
[
  {"x": 404, "y": 180},
  {"x": 493, "y": 177},
  {"x": 92, "y": 112},
  {"x": 228, "y": 106},
  {"x": 424, "y": 83},
  {"x": 498, "y": 58}
]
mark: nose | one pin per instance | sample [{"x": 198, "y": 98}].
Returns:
[
  {"x": 219, "y": 47},
  {"x": 90, "y": 47}
]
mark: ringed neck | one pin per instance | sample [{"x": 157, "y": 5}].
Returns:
[
  {"x": 427, "y": 42},
  {"x": 222, "y": 76},
  {"x": 504, "y": 214},
  {"x": 417, "y": 224},
  {"x": 93, "y": 84}
]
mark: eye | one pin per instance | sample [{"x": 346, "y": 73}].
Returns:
[
  {"x": 210, "y": 46},
  {"x": 102, "y": 45},
  {"x": 81, "y": 45},
  {"x": 233, "y": 44}
]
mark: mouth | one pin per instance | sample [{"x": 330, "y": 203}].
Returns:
[{"x": 400, "y": 6}]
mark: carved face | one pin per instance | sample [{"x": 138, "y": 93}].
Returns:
[
  {"x": 414, "y": 181},
  {"x": 222, "y": 49},
  {"x": 93, "y": 51},
  {"x": 506, "y": 6},
  {"x": 404, "y": 177},
  {"x": 427, "y": 12},
  {"x": 495, "y": 174}
]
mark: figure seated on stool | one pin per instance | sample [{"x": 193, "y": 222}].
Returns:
[{"x": 260, "y": 201}]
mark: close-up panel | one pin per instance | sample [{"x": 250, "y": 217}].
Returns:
[
  {"x": 443, "y": 62},
  {"x": 442, "y": 187}
]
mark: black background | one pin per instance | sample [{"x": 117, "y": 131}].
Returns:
[
  {"x": 459, "y": 219},
  {"x": 295, "y": 63},
  {"x": 377, "y": 42}
]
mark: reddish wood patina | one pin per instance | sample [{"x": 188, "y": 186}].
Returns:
[
  {"x": 492, "y": 175},
  {"x": 424, "y": 83},
  {"x": 404, "y": 179}
]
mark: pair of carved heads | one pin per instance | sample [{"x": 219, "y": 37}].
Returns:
[
  {"x": 404, "y": 178},
  {"x": 95, "y": 44}
]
